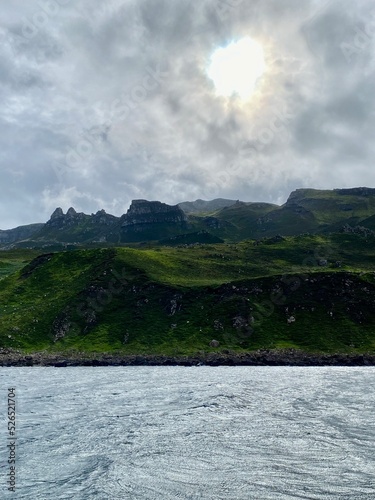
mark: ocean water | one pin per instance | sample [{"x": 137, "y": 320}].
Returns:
[{"x": 191, "y": 433}]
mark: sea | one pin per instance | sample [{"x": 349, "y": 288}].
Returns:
[{"x": 261, "y": 433}]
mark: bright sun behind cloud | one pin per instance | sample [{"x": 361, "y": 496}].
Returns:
[{"x": 236, "y": 68}]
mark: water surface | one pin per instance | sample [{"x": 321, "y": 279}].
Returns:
[{"x": 191, "y": 433}]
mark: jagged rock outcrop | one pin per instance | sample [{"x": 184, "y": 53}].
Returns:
[
  {"x": 71, "y": 212},
  {"x": 57, "y": 213},
  {"x": 59, "y": 220},
  {"x": 101, "y": 217}
]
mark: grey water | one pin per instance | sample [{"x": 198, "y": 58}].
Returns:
[{"x": 191, "y": 433}]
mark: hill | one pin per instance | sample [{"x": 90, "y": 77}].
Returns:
[
  {"x": 18, "y": 234},
  {"x": 313, "y": 293},
  {"x": 306, "y": 210},
  {"x": 159, "y": 281},
  {"x": 206, "y": 207}
]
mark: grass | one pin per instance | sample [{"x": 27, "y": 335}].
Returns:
[
  {"x": 167, "y": 300},
  {"x": 13, "y": 260}
]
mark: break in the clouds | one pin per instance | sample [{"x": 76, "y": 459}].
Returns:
[{"x": 104, "y": 102}]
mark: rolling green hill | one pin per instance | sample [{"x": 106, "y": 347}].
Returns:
[
  {"x": 311, "y": 292},
  {"x": 306, "y": 210}
]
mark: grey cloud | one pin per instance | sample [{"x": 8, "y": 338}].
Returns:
[{"x": 127, "y": 80}]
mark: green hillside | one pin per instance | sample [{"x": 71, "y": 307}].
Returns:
[
  {"x": 315, "y": 293},
  {"x": 306, "y": 210},
  {"x": 330, "y": 207},
  {"x": 14, "y": 260}
]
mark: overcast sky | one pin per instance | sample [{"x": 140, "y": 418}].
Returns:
[{"x": 105, "y": 102}]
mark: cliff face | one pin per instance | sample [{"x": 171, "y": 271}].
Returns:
[
  {"x": 152, "y": 220},
  {"x": 148, "y": 212}
]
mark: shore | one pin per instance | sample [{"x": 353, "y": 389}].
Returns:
[{"x": 288, "y": 357}]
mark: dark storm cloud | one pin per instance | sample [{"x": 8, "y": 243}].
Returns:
[{"x": 105, "y": 102}]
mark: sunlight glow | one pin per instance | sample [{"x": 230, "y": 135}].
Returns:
[{"x": 236, "y": 68}]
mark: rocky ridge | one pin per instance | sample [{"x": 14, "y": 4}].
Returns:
[
  {"x": 152, "y": 212},
  {"x": 306, "y": 210}
]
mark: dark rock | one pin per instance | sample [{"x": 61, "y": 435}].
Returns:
[
  {"x": 145, "y": 212},
  {"x": 71, "y": 212},
  {"x": 60, "y": 364},
  {"x": 57, "y": 214}
]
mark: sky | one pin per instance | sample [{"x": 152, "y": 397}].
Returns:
[{"x": 105, "y": 102}]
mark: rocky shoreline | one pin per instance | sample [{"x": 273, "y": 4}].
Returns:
[{"x": 289, "y": 357}]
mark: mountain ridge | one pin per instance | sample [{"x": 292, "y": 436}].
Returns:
[
  {"x": 306, "y": 210},
  {"x": 232, "y": 280}
]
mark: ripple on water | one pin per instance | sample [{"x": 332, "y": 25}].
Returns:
[{"x": 197, "y": 433}]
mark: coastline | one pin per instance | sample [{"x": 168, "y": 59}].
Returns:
[{"x": 288, "y": 357}]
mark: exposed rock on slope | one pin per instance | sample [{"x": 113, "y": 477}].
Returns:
[
  {"x": 152, "y": 220},
  {"x": 146, "y": 212}
]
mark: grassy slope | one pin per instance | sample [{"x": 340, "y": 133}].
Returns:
[
  {"x": 307, "y": 210},
  {"x": 13, "y": 260},
  {"x": 239, "y": 221},
  {"x": 330, "y": 207},
  {"x": 175, "y": 300}
]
